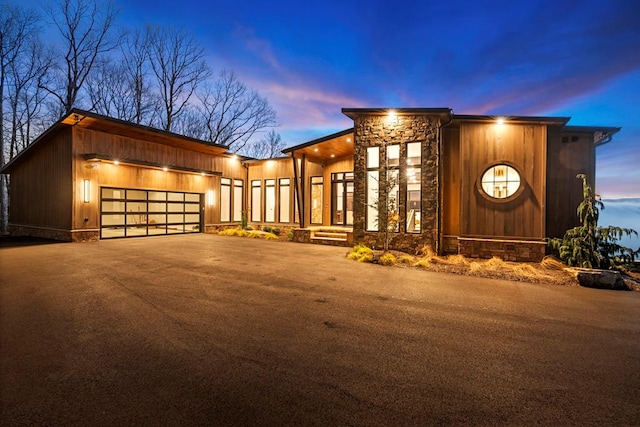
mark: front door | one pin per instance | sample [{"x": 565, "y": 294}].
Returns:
[{"x": 342, "y": 198}]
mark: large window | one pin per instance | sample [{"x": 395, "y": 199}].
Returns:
[
  {"x": 237, "y": 199},
  {"x": 270, "y": 200},
  {"x": 285, "y": 199},
  {"x": 256, "y": 201},
  {"x": 134, "y": 213},
  {"x": 317, "y": 190},
  {"x": 373, "y": 163},
  {"x": 225, "y": 200},
  {"x": 342, "y": 198},
  {"x": 413, "y": 206}
]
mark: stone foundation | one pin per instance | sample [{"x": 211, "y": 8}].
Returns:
[
  {"x": 301, "y": 235},
  {"x": 508, "y": 250}
]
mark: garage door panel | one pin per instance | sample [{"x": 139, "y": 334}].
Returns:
[{"x": 136, "y": 213}]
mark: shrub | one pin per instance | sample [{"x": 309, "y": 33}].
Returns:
[
  {"x": 423, "y": 262},
  {"x": 591, "y": 246},
  {"x": 270, "y": 236},
  {"x": 406, "y": 259},
  {"x": 361, "y": 253},
  {"x": 234, "y": 232},
  {"x": 266, "y": 229},
  {"x": 248, "y": 228},
  {"x": 387, "y": 259},
  {"x": 290, "y": 235},
  {"x": 275, "y": 231}
]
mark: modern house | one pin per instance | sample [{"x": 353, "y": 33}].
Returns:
[{"x": 477, "y": 185}]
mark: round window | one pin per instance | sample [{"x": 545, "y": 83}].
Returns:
[{"x": 500, "y": 181}]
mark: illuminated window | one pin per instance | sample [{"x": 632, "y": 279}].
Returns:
[
  {"x": 500, "y": 181},
  {"x": 237, "y": 199},
  {"x": 270, "y": 200},
  {"x": 285, "y": 202},
  {"x": 225, "y": 200},
  {"x": 255, "y": 200}
]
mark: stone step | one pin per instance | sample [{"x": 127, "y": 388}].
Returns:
[
  {"x": 337, "y": 239},
  {"x": 330, "y": 234}
]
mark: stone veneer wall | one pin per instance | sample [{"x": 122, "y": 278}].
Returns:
[
  {"x": 508, "y": 250},
  {"x": 376, "y": 130},
  {"x": 54, "y": 234}
]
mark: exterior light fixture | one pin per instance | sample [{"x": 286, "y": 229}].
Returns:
[
  {"x": 116, "y": 162},
  {"x": 201, "y": 173},
  {"x": 165, "y": 169},
  {"x": 348, "y": 139},
  {"x": 210, "y": 197},
  {"x": 500, "y": 120},
  {"x": 392, "y": 116},
  {"x": 86, "y": 193},
  {"x": 333, "y": 155},
  {"x": 315, "y": 149}
]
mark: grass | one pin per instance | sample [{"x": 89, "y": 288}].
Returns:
[{"x": 548, "y": 271}]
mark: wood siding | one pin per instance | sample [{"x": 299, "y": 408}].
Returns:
[
  {"x": 41, "y": 187},
  {"x": 522, "y": 145},
  {"x": 451, "y": 181},
  {"x": 564, "y": 191}
]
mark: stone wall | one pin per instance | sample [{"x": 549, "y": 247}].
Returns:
[
  {"x": 378, "y": 130},
  {"x": 45, "y": 233},
  {"x": 508, "y": 250}
]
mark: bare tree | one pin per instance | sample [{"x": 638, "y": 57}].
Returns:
[
  {"x": 233, "y": 113},
  {"x": 266, "y": 148},
  {"x": 177, "y": 62},
  {"x": 17, "y": 27},
  {"x": 135, "y": 54},
  {"x": 86, "y": 27}
]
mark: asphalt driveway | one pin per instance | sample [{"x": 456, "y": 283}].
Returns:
[{"x": 212, "y": 330}]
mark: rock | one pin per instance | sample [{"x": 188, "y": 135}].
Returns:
[{"x": 599, "y": 279}]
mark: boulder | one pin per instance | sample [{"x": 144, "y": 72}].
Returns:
[{"x": 599, "y": 279}]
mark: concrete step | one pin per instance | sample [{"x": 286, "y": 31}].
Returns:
[
  {"x": 337, "y": 239},
  {"x": 330, "y": 234}
]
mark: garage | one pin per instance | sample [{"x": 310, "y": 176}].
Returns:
[{"x": 127, "y": 212}]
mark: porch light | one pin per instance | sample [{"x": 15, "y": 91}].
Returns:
[
  {"x": 210, "y": 197},
  {"x": 165, "y": 169},
  {"x": 333, "y": 155},
  {"x": 348, "y": 139},
  {"x": 500, "y": 121},
  {"x": 116, "y": 162},
  {"x": 392, "y": 116},
  {"x": 86, "y": 196},
  {"x": 315, "y": 149}
]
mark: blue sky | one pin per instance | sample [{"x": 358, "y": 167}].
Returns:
[{"x": 311, "y": 58}]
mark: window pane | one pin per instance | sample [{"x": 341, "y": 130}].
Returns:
[
  {"x": 175, "y": 197},
  {"x": 414, "y": 150},
  {"x": 136, "y": 206},
  {"x": 225, "y": 203},
  {"x": 500, "y": 181},
  {"x": 112, "y": 219},
  {"x": 270, "y": 201},
  {"x": 136, "y": 195},
  {"x": 157, "y": 195},
  {"x": 373, "y": 157},
  {"x": 256, "y": 203},
  {"x": 237, "y": 200},
  {"x": 192, "y": 197},
  {"x": 157, "y": 219},
  {"x": 284, "y": 202},
  {"x": 316, "y": 199},
  {"x": 393, "y": 155},
  {"x": 174, "y": 218},
  {"x": 175, "y": 207},
  {"x": 157, "y": 207},
  {"x": 111, "y": 193},
  {"x": 112, "y": 206},
  {"x": 413, "y": 200},
  {"x": 372, "y": 198}
]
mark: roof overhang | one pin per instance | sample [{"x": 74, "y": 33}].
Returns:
[
  {"x": 327, "y": 148},
  {"x": 561, "y": 121},
  {"x": 601, "y": 134},
  {"x": 352, "y": 113}
]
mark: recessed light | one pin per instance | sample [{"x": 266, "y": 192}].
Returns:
[
  {"x": 348, "y": 139},
  {"x": 115, "y": 162},
  {"x": 333, "y": 155},
  {"x": 315, "y": 149},
  {"x": 165, "y": 169}
]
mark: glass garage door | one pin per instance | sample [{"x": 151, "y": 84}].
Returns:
[{"x": 127, "y": 212}]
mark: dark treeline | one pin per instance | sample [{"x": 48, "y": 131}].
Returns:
[{"x": 151, "y": 75}]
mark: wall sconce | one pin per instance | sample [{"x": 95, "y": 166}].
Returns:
[
  {"x": 392, "y": 117},
  {"x": 210, "y": 197},
  {"x": 86, "y": 196}
]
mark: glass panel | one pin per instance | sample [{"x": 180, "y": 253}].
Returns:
[
  {"x": 157, "y": 195},
  {"x": 393, "y": 155},
  {"x": 175, "y": 197},
  {"x": 225, "y": 181},
  {"x": 270, "y": 182},
  {"x": 349, "y": 203},
  {"x": 111, "y": 232},
  {"x": 156, "y": 219},
  {"x": 284, "y": 181},
  {"x": 255, "y": 202},
  {"x": 136, "y": 219},
  {"x": 373, "y": 157},
  {"x": 194, "y": 218},
  {"x": 175, "y": 218},
  {"x": 372, "y": 199},
  {"x": 191, "y": 207},
  {"x": 270, "y": 203},
  {"x": 137, "y": 207},
  {"x": 175, "y": 207},
  {"x": 394, "y": 194},
  {"x": 112, "y": 206},
  {"x": 237, "y": 200},
  {"x": 157, "y": 207},
  {"x": 225, "y": 203},
  {"x": 316, "y": 200},
  {"x": 414, "y": 153},
  {"x": 176, "y": 228},
  {"x": 111, "y": 193},
  {"x": 500, "y": 181},
  {"x": 338, "y": 203},
  {"x": 285, "y": 203},
  {"x": 155, "y": 230},
  {"x": 112, "y": 219},
  {"x": 348, "y": 176},
  {"x": 192, "y": 197},
  {"x": 413, "y": 200},
  {"x": 191, "y": 228},
  {"x": 136, "y": 230},
  {"x": 136, "y": 195}
]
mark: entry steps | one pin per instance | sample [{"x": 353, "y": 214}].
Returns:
[{"x": 329, "y": 236}]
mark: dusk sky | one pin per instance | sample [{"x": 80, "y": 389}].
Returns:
[{"x": 312, "y": 58}]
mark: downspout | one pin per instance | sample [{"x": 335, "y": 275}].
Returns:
[{"x": 440, "y": 178}]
